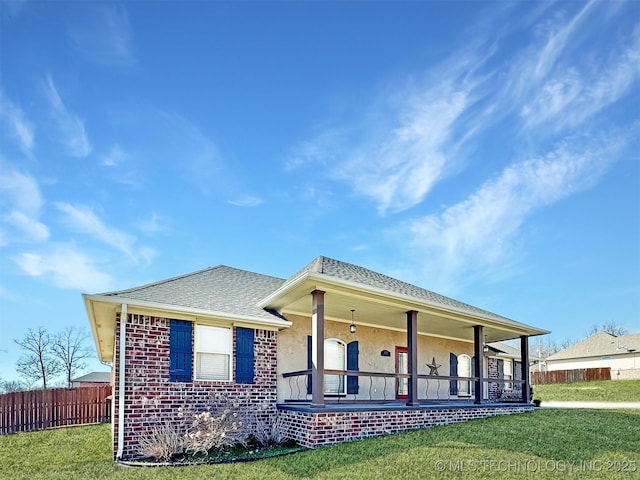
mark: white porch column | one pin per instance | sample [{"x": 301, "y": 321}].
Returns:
[{"x": 317, "y": 349}]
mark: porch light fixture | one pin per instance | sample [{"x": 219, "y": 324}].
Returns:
[
  {"x": 485, "y": 348},
  {"x": 352, "y": 327}
]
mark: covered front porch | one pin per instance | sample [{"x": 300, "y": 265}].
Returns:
[
  {"x": 413, "y": 362},
  {"x": 367, "y": 354}
]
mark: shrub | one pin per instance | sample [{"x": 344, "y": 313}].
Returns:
[
  {"x": 224, "y": 423},
  {"x": 268, "y": 432},
  {"x": 163, "y": 441}
]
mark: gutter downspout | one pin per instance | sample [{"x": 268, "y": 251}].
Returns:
[{"x": 121, "y": 363}]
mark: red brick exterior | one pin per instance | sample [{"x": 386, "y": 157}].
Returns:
[
  {"x": 494, "y": 387},
  {"x": 314, "y": 429},
  {"x": 150, "y": 396}
]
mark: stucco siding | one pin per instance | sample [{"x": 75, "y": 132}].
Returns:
[{"x": 292, "y": 356}]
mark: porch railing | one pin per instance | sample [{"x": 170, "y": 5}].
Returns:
[{"x": 378, "y": 387}]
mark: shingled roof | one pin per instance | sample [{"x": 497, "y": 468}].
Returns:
[
  {"x": 239, "y": 292},
  {"x": 602, "y": 343},
  {"x": 353, "y": 273},
  {"x": 217, "y": 289}
]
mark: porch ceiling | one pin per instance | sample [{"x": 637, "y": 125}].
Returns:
[{"x": 377, "y": 310}]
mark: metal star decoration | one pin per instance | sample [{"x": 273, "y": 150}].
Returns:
[{"x": 433, "y": 367}]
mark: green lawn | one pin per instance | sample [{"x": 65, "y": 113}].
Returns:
[
  {"x": 602, "y": 391},
  {"x": 541, "y": 444}
]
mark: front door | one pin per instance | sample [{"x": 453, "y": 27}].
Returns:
[{"x": 402, "y": 367}]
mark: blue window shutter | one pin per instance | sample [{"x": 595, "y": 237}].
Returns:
[
  {"x": 352, "y": 364},
  {"x": 517, "y": 374},
  {"x": 501, "y": 371},
  {"x": 453, "y": 372},
  {"x": 309, "y": 362},
  {"x": 244, "y": 355},
  {"x": 180, "y": 350},
  {"x": 473, "y": 374}
]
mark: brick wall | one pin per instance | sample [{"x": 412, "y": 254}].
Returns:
[
  {"x": 314, "y": 429},
  {"x": 492, "y": 372},
  {"x": 149, "y": 396}
]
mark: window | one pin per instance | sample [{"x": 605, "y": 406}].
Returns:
[
  {"x": 335, "y": 358},
  {"x": 508, "y": 374},
  {"x": 337, "y": 354},
  {"x": 211, "y": 351},
  {"x": 464, "y": 370},
  {"x": 213, "y": 347}
]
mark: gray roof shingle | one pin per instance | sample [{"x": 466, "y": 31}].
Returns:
[
  {"x": 599, "y": 344},
  {"x": 238, "y": 292},
  {"x": 363, "y": 276},
  {"x": 94, "y": 377},
  {"x": 218, "y": 289}
]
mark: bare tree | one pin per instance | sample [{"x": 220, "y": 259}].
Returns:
[
  {"x": 38, "y": 363},
  {"x": 12, "y": 386},
  {"x": 70, "y": 350},
  {"x": 612, "y": 328}
]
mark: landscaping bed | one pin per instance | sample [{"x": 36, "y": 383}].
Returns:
[{"x": 252, "y": 451}]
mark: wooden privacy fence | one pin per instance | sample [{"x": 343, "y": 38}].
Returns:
[
  {"x": 570, "y": 376},
  {"x": 58, "y": 407}
]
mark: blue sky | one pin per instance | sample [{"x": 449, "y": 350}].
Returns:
[{"x": 488, "y": 151}]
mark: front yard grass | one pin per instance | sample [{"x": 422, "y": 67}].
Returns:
[
  {"x": 545, "y": 443},
  {"x": 601, "y": 391}
]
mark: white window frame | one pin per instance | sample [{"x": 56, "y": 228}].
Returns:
[
  {"x": 223, "y": 348},
  {"x": 465, "y": 359},
  {"x": 508, "y": 365},
  {"x": 341, "y": 379}
]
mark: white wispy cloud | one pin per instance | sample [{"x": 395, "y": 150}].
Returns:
[
  {"x": 69, "y": 128},
  {"x": 423, "y": 131},
  {"x": 83, "y": 220},
  {"x": 102, "y": 34},
  {"x": 33, "y": 229},
  {"x": 412, "y": 157},
  {"x": 324, "y": 148},
  {"x": 151, "y": 225},
  {"x": 17, "y": 125},
  {"x": 246, "y": 201},
  {"x": 120, "y": 167},
  {"x": 559, "y": 33},
  {"x": 479, "y": 236},
  {"x": 66, "y": 267},
  {"x": 115, "y": 157},
  {"x": 526, "y": 102},
  {"x": 396, "y": 155},
  {"x": 577, "y": 92},
  {"x": 20, "y": 206}
]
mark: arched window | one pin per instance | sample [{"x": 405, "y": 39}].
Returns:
[
  {"x": 335, "y": 358},
  {"x": 464, "y": 370}
]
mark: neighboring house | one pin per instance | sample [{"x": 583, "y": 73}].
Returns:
[
  {"x": 93, "y": 379},
  {"x": 620, "y": 353},
  {"x": 337, "y": 351}
]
